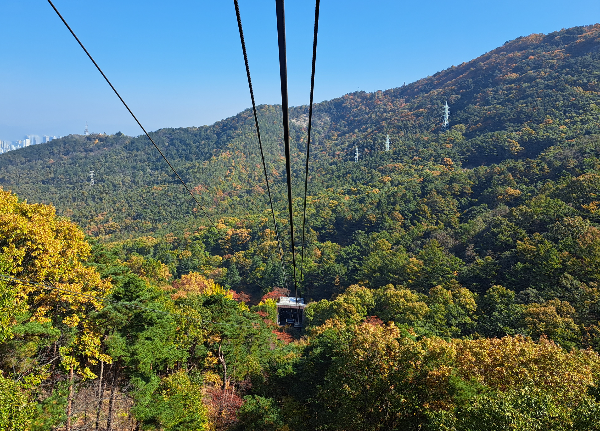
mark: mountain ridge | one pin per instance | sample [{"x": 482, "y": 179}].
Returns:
[{"x": 510, "y": 103}]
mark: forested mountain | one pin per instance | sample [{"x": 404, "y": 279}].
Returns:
[
  {"x": 448, "y": 276},
  {"x": 511, "y": 103},
  {"x": 524, "y": 125}
]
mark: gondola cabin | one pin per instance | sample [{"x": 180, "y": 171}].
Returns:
[{"x": 290, "y": 311}]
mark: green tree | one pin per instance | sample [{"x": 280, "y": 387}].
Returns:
[
  {"x": 402, "y": 306},
  {"x": 175, "y": 405},
  {"x": 17, "y": 410},
  {"x": 260, "y": 414},
  {"x": 498, "y": 313}
]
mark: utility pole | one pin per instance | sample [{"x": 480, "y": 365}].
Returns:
[
  {"x": 387, "y": 143},
  {"x": 446, "y": 116},
  {"x": 356, "y": 155}
]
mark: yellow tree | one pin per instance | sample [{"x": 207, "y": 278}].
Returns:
[{"x": 44, "y": 256}]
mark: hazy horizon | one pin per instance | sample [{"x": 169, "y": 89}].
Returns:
[{"x": 183, "y": 66}]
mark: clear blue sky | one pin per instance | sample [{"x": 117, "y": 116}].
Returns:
[{"x": 179, "y": 63}]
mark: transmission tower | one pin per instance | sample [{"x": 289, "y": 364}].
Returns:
[
  {"x": 91, "y": 178},
  {"x": 86, "y": 132},
  {"x": 387, "y": 143},
  {"x": 356, "y": 155},
  {"x": 446, "y": 115}
]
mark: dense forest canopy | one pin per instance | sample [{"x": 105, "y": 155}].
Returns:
[{"x": 453, "y": 280}]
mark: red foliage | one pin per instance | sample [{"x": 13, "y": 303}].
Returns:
[
  {"x": 276, "y": 293},
  {"x": 374, "y": 320},
  {"x": 283, "y": 336},
  {"x": 240, "y": 296},
  {"x": 223, "y": 405}
]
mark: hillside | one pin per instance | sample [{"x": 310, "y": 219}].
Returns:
[{"x": 511, "y": 103}]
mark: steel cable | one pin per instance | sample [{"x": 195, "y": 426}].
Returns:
[
  {"x": 280, "y": 10},
  {"x": 310, "y": 113},
  {"x": 134, "y": 117},
  {"x": 239, "y": 22}
]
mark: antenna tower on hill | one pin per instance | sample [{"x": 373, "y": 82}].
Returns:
[
  {"x": 86, "y": 132},
  {"x": 387, "y": 143},
  {"x": 356, "y": 155},
  {"x": 92, "y": 178},
  {"x": 446, "y": 115}
]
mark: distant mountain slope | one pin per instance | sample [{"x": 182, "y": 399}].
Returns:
[
  {"x": 514, "y": 87},
  {"x": 511, "y": 103}
]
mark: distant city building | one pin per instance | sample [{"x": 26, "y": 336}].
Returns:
[{"x": 26, "y": 142}]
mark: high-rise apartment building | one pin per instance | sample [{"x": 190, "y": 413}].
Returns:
[{"x": 26, "y": 142}]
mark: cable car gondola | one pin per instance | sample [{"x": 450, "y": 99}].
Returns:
[{"x": 290, "y": 311}]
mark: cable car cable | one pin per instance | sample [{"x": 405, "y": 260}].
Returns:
[
  {"x": 239, "y": 22},
  {"x": 310, "y": 113},
  {"x": 134, "y": 117},
  {"x": 279, "y": 8}
]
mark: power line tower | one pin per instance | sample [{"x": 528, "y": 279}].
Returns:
[
  {"x": 387, "y": 143},
  {"x": 91, "y": 178},
  {"x": 86, "y": 132},
  {"x": 446, "y": 116},
  {"x": 356, "y": 155}
]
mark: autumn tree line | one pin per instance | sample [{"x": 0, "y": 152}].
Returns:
[
  {"x": 160, "y": 333},
  {"x": 441, "y": 298}
]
